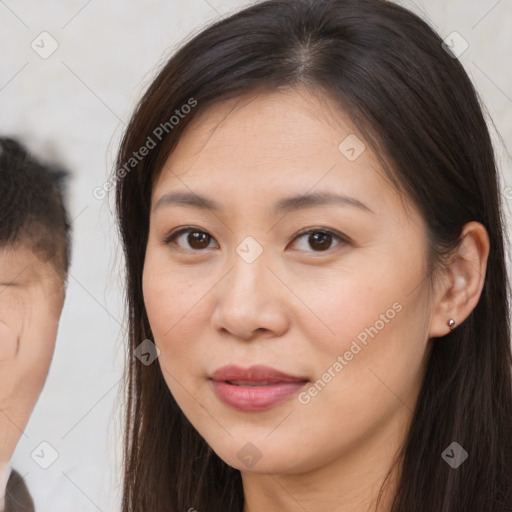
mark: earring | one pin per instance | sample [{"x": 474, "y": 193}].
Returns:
[{"x": 451, "y": 324}]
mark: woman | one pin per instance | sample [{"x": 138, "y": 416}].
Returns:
[{"x": 309, "y": 210}]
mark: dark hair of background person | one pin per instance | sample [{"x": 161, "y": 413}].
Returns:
[
  {"x": 415, "y": 105},
  {"x": 17, "y": 497},
  {"x": 32, "y": 210}
]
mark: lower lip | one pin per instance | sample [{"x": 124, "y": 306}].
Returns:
[{"x": 255, "y": 398}]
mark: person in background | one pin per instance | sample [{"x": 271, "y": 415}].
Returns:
[{"x": 34, "y": 262}]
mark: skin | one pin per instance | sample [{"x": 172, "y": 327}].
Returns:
[
  {"x": 297, "y": 308},
  {"x": 31, "y": 300}
]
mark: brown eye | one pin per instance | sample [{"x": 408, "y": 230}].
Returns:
[
  {"x": 319, "y": 240},
  {"x": 197, "y": 240}
]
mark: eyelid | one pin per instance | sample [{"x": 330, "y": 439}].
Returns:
[{"x": 343, "y": 239}]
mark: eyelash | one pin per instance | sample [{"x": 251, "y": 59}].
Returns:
[{"x": 168, "y": 240}]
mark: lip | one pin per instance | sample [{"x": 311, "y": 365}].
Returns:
[{"x": 278, "y": 387}]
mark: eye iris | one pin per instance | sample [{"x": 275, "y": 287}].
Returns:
[
  {"x": 196, "y": 239},
  {"x": 317, "y": 239}
]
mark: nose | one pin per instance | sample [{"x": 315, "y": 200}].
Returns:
[{"x": 250, "y": 301}]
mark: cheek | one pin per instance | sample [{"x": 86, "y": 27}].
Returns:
[
  {"x": 164, "y": 305},
  {"x": 42, "y": 326},
  {"x": 373, "y": 367},
  {"x": 368, "y": 337},
  {"x": 172, "y": 306},
  {"x": 342, "y": 308},
  {"x": 8, "y": 342},
  {"x": 373, "y": 295}
]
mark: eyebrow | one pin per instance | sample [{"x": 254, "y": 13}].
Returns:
[{"x": 284, "y": 205}]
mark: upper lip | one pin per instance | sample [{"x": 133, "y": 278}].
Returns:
[{"x": 258, "y": 373}]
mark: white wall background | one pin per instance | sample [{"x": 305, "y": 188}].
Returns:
[{"x": 72, "y": 107}]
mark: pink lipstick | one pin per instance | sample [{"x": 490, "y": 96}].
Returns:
[{"x": 255, "y": 388}]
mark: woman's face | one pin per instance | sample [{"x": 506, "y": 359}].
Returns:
[{"x": 342, "y": 311}]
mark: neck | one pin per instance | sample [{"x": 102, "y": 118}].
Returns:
[{"x": 351, "y": 482}]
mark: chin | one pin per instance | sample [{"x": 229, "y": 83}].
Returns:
[{"x": 255, "y": 458}]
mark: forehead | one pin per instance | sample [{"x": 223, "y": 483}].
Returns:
[
  {"x": 19, "y": 265},
  {"x": 288, "y": 125},
  {"x": 270, "y": 145}
]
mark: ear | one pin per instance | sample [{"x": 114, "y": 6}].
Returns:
[{"x": 460, "y": 288}]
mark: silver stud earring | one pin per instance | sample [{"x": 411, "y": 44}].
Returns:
[{"x": 451, "y": 324}]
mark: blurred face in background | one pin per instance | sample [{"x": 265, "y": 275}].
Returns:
[{"x": 31, "y": 300}]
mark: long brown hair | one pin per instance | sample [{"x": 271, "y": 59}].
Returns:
[{"x": 417, "y": 108}]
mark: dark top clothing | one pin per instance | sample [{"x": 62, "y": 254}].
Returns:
[{"x": 17, "y": 497}]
